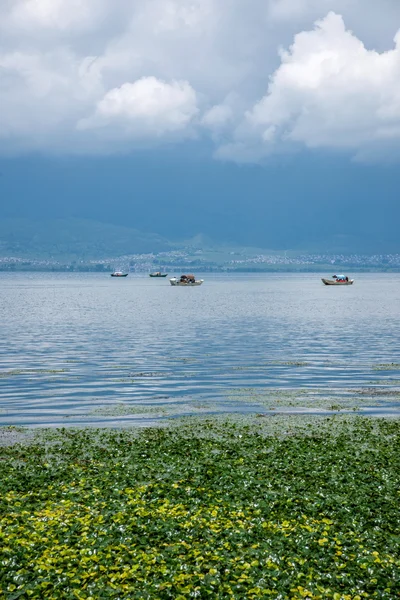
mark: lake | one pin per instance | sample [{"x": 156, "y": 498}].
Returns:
[{"x": 90, "y": 349}]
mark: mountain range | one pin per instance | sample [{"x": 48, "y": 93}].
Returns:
[
  {"x": 84, "y": 239},
  {"x": 74, "y": 239}
]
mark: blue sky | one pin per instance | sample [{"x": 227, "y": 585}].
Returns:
[{"x": 234, "y": 115}]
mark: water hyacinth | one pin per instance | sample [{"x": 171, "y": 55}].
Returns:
[{"x": 209, "y": 509}]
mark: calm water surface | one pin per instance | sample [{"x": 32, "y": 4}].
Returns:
[{"x": 87, "y": 348}]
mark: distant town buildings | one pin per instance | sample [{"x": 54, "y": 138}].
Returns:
[{"x": 209, "y": 260}]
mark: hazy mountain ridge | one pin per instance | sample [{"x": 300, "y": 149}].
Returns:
[
  {"x": 88, "y": 244},
  {"x": 74, "y": 238}
]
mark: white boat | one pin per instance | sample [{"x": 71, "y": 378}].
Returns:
[
  {"x": 338, "y": 280},
  {"x": 186, "y": 281},
  {"x": 119, "y": 274}
]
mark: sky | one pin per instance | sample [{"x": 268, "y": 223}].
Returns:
[{"x": 274, "y": 122}]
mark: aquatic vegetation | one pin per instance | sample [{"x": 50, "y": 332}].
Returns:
[
  {"x": 270, "y": 392},
  {"x": 245, "y": 368},
  {"x": 12, "y": 434},
  {"x": 308, "y": 398},
  {"x": 11, "y": 373},
  {"x": 376, "y": 391},
  {"x": 337, "y": 407},
  {"x": 183, "y": 359},
  {"x": 392, "y": 382},
  {"x": 151, "y": 374},
  {"x": 203, "y": 405},
  {"x": 284, "y": 363},
  {"x": 121, "y": 409},
  {"x": 14, "y": 372},
  {"x": 387, "y": 367},
  {"x": 290, "y": 363},
  {"x": 207, "y": 508},
  {"x": 162, "y": 409}
]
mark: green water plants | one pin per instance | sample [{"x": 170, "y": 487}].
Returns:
[{"x": 212, "y": 508}]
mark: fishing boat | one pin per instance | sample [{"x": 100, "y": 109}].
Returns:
[
  {"x": 338, "y": 280},
  {"x": 119, "y": 274},
  {"x": 186, "y": 280},
  {"x": 158, "y": 274}
]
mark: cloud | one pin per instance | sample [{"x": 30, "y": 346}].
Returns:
[
  {"x": 217, "y": 116},
  {"x": 329, "y": 92},
  {"x": 41, "y": 98},
  {"x": 56, "y": 14},
  {"x": 147, "y": 107},
  {"x": 75, "y": 72},
  {"x": 288, "y": 9}
]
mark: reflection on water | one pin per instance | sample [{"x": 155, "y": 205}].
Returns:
[{"x": 86, "y": 348}]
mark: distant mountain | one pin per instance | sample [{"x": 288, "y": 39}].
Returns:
[
  {"x": 74, "y": 238},
  {"x": 312, "y": 202},
  {"x": 82, "y": 239},
  {"x": 344, "y": 243}
]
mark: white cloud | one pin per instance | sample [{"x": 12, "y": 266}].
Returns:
[
  {"x": 41, "y": 96},
  {"x": 56, "y": 14},
  {"x": 329, "y": 92},
  {"x": 289, "y": 9},
  {"x": 217, "y": 117},
  {"x": 132, "y": 72},
  {"x": 146, "y": 108}
]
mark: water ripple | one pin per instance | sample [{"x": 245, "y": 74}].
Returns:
[{"x": 73, "y": 344}]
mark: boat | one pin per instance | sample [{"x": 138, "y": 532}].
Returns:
[
  {"x": 119, "y": 274},
  {"x": 338, "y": 280},
  {"x": 186, "y": 280},
  {"x": 158, "y": 274}
]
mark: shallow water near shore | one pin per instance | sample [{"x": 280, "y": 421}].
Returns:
[{"x": 86, "y": 349}]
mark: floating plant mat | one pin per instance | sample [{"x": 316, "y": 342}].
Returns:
[
  {"x": 209, "y": 508},
  {"x": 133, "y": 377},
  {"x": 387, "y": 367},
  {"x": 15, "y": 372},
  {"x": 141, "y": 375},
  {"x": 272, "y": 363},
  {"x": 288, "y": 363},
  {"x": 15, "y": 435},
  {"x": 162, "y": 409},
  {"x": 376, "y": 391},
  {"x": 120, "y": 409},
  {"x": 181, "y": 359},
  {"x": 392, "y": 382},
  {"x": 334, "y": 399}
]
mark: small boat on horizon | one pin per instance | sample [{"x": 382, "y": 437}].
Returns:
[
  {"x": 158, "y": 274},
  {"x": 186, "y": 280},
  {"x": 119, "y": 274},
  {"x": 338, "y": 280}
]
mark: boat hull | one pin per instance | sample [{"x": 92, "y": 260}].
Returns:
[
  {"x": 335, "y": 282},
  {"x": 176, "y": 282},
  {"x": 123, "y": 275},
  {"x": 154, "y": 275}
]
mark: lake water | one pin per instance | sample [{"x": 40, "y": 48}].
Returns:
[{"x": 91, "y": 349}]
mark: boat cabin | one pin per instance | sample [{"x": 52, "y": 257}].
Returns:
[{"x": 187, "y": 278}]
